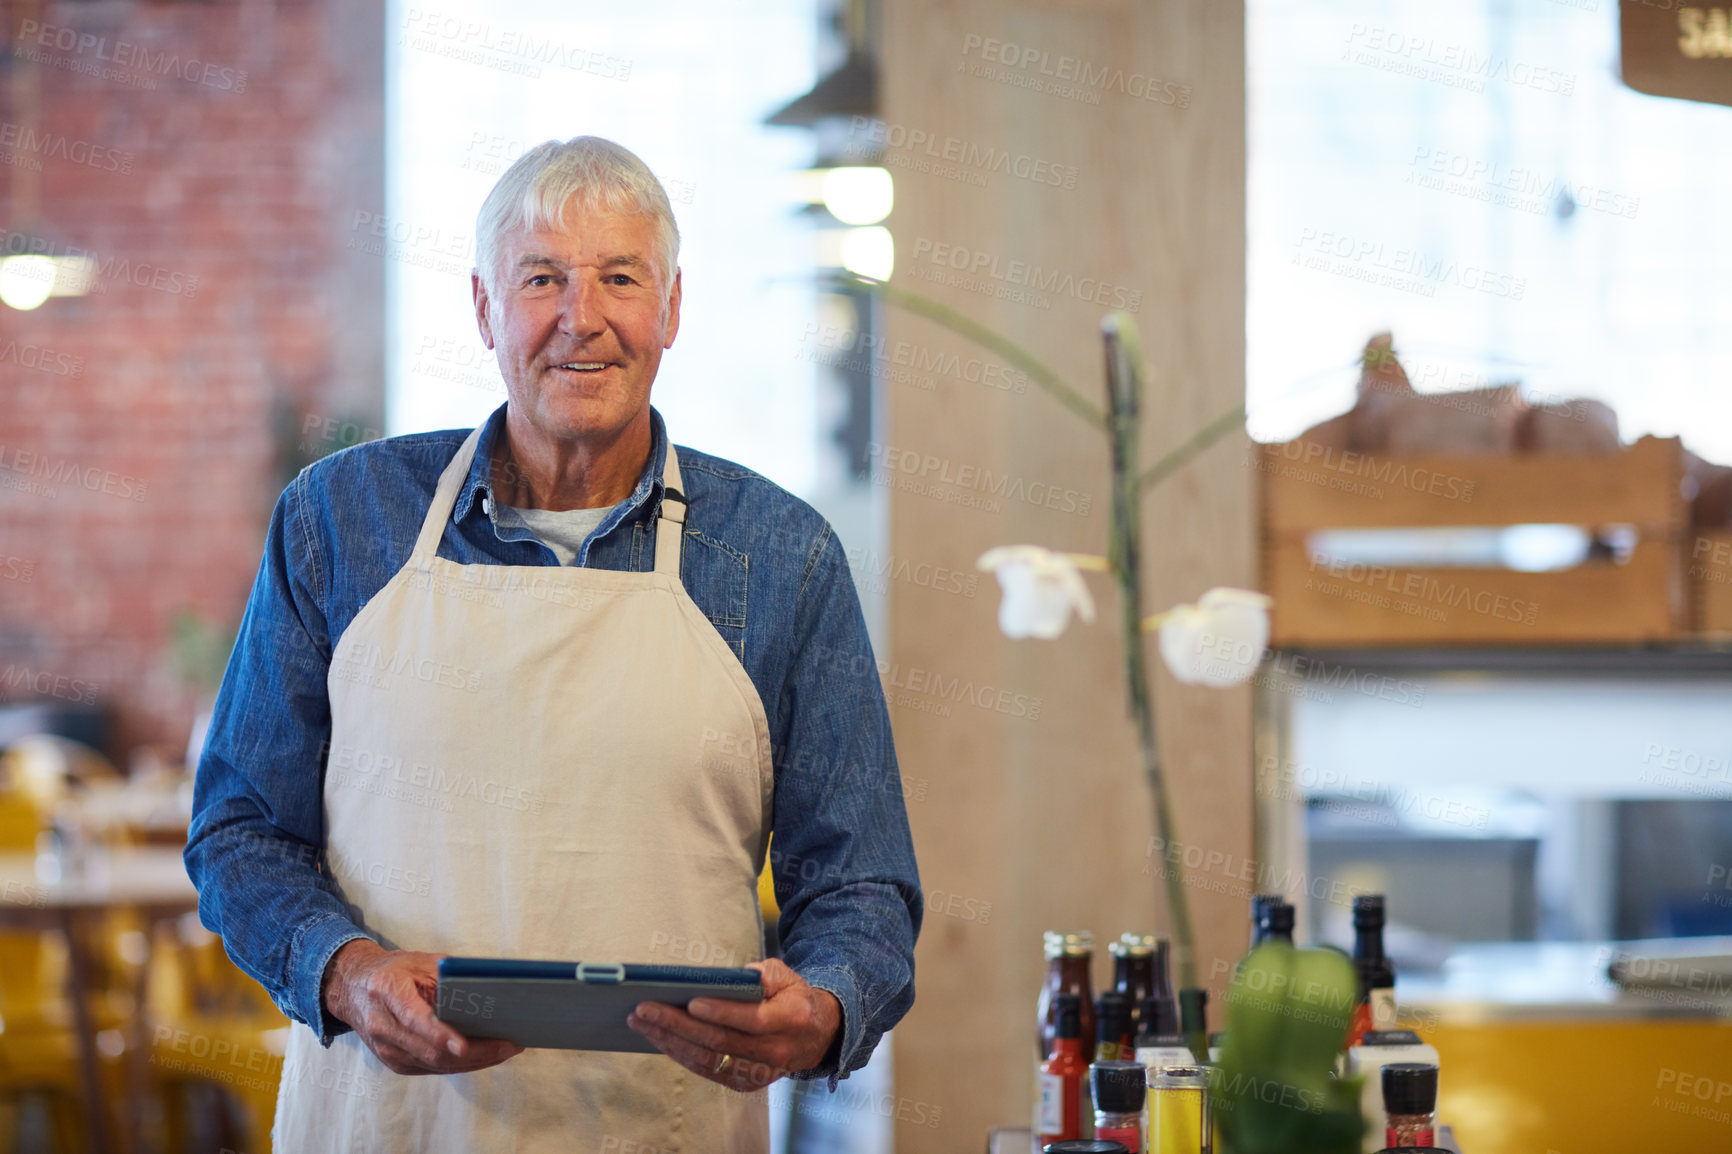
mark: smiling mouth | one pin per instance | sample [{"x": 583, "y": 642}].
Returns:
[{"x": 584, "y": 366}]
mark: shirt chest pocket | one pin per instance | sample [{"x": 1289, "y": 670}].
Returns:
[{"x": 715, "y": 575}]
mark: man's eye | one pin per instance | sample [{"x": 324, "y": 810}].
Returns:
[
  {"x": 540, "y": 279},
  {"x": 620, "y": 278}
]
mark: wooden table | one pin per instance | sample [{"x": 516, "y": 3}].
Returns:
[{"x": 151, "y": 882}]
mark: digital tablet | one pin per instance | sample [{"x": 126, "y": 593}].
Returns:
[{"x": 574, "y": 1005}]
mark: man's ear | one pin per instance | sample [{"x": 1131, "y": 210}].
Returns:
[
  {"x": 479, "y": 289},
  {"x": 673, "y": 312}
]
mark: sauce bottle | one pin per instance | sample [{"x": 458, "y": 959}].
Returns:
[
  {"x": 1060, "y": 1112},
  {"x": 1375, "y": 1009},
  {"x": 1069, "y": 957},
  {"x": 1114, "y": 1039},
  {"x": 1134, "y": 969}
]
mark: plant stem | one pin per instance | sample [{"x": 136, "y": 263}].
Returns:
[
  {"x": 1037, "y": 370},
  {"x": 1179, "y": 457},
  {"x": 1124, "y": 390}
]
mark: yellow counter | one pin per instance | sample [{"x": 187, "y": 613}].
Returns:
[{"x": 1587, "y": 1086}]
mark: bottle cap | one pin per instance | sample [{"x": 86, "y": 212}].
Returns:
[
  {"x": 1368, "y": 912},
  {"x": 1410, "y": 1088},
  {"x": 1181, "y": 1078},
  {"x": 1193, "y": 1009},
  {"x": 1112, "y": 1016},
  {"x": 1260, "y": 903},
  {"x": 1278, "y": 918},
  {"x": 1084, "y": 1146},
  {"x": 1160, "y": 1017},
  {"x": 1389, "y": 1038},
  {"x": 1133, "y": 946},
  {"x": 1119, "y": 1087},
  {"x": 1067, "y": 1014},
  {"x": 1071, "y": 944}
]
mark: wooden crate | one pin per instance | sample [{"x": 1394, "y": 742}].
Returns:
[
  {"x": 1307, "y": 489},
  {"x": 1709, "y": 558}
]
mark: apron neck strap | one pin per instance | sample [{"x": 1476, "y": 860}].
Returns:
[
  {"x": 444, "y": 500},
  {"x": 670, "y": 531}
]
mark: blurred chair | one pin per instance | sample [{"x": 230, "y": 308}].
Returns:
[
  {"x": 40, "y": 1094},
  {"x": 217, "y": 1042},
  {"x": 41, "y": 1099},
  {"x": 41, "y": 1106},
  {"x": 20, "y": 822},
  {"x": 45, "y": 769}
]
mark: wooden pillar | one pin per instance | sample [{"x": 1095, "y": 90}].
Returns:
[{"x": 1054, "y": 161}]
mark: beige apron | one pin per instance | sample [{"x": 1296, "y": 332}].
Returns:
[{"x": 538, "y": 762}]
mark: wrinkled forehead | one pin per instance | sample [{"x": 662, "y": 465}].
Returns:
[{"x": 588, "y": 237}]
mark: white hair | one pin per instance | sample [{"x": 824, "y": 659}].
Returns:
[{"x": 539, "y": 187}]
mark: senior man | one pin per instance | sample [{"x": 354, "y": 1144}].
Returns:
[{"x": 514, "y": 692}]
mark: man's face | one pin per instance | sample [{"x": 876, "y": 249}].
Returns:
[{"x": 579, "y": 317}]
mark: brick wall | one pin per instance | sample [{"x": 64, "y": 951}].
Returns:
[{"x": 211, "y": 158}]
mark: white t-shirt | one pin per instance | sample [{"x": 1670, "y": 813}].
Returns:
[{"x": 564, "y": 531}]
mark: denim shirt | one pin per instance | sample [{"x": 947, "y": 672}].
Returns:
[{"x": 761, "y": 564}]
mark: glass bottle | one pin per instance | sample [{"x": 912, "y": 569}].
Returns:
[
  {"x": 1119, "y": 1090},
  {"x": 1114, "y": 1038},
  {"x": 1159, "y": 1043},
  {"x": 1060, "y": 1112},
  {"x": 1179, "y": 1111},
  {"x": 1410, "y": 1103},
  {"x": 1260, "y": 902},
  {"x": 1161, "y": 985},
  {"x": 1134, "y": 970},
  {"x": 1158, "y": 1040},
  {"x": 1069, "y": 958},
  {"x": 1274, "y": 923},
  {"x": 1375, "y": 1009},
  {"x": 1194, "y": 1021}
]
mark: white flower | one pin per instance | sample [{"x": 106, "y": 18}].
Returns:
[
  {"x": 1219, "y": 641},
  {"x": 1040, "y": 590}
]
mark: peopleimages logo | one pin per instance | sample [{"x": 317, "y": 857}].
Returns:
[
  {"x": 933, "y": 470},
  {"x": 966, "y": 153},
  {"x": 1386, "y": 471},
  {"x": 874, "y": 570},
  {"x": 21, "y": 681},
  {"x": 1022, "y": 274},
  {"x": 1418, "y": 594},
  {"x": 1064, "y": 70},
  {"x": 894, "y": 355},
  {"x": 18, "y": 138},
  {"x": 1370, "y": 259},
  {"x": 109, "y": 268},
  {"x": 60, "y": 471},
  {"x": 33, "y": 33},
  {"x": 1495, "y": 182}
]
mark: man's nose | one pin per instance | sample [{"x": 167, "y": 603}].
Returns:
[{"x": 581, "y": 316}]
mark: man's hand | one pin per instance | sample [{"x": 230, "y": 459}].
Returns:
[
  {"x": 791, "y": 1029},
  {"x": 386, "y": 997}
]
